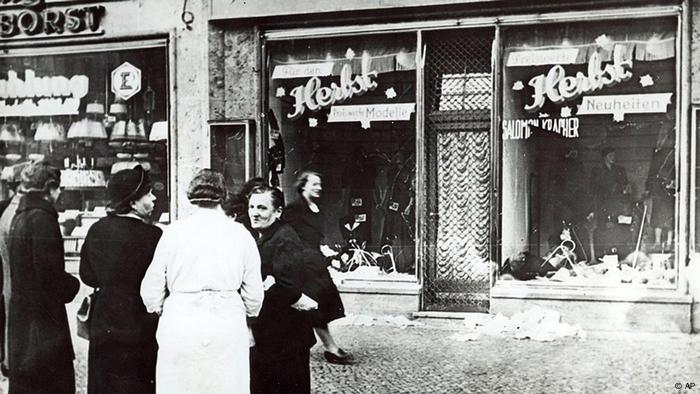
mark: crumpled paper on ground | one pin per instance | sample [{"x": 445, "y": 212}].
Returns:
[
  {"x": 385, "y": 320},
  {"x": 537, "y": 323}
]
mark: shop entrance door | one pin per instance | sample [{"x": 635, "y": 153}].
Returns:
[{"x": 458, "y": 100}]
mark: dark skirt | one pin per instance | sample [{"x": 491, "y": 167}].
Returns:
[
  {"x": 289, "y": 375},
  {"x": 53, "y": 379},
  {"x": 319, "y": 285},
  {"x": 115, "y": 368}
]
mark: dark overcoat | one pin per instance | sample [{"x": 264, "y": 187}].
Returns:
[
  {"x": 41, "y": 352},
  {"x": 280, "y": 327},
  {"x": 318, "y": 283},
  {"x": 308, "y": 224},
  {"x": 123, "y": 348},
  {"x": 283, "y": 335}
]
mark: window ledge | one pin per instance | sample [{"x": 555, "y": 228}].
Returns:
[
  {"x": 508, "y": 289},
  {"x": 378, "y": 287}
]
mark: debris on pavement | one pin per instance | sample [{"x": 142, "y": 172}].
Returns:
[
  {"x": 537, "y": 323},
  {"x": 385, "y": 320}
]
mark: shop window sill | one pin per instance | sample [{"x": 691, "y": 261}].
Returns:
[
  {"x": 373, "y": 278},
  {"x": 378, "y": 287},
  {"x": 563, "y": 292}
]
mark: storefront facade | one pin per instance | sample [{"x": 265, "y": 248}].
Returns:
[
  {"x": 479, "y": 155},
  {"x": 98, "y": 86}
]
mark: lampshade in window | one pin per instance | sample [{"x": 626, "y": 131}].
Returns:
[
  {"x": 10, "y": 132},
  {"x": 50, "y": 132},
  {"x": 88, "y": 129},
  {"x": 36, "y": 157},
  {"x": 118, "y": 131},
  {"x": 124, "y": 130},
  {"x": 95, "y": 108},
  {"x": 139, "y": 130},
  {"x": 159, "y": 131},
  {"x": 117, "y": 108}
]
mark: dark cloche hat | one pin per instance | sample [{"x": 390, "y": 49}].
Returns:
[
  {"x": 128, "y": 185},
  {"x": 207, "y": 186}
]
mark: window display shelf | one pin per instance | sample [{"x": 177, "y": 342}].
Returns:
[{"x": 80, "y": 179}]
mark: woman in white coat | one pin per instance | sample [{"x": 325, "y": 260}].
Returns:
[{"x": 205, "y": 280}]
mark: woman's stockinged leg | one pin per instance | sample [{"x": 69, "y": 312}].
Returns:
[
  {"x": 327, "y": 339},
  {"x": 333, "y": 353}
]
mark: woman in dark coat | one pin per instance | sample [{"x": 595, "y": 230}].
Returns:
[
  {"x": 305, "y": 217},
  {"x": 117, "y": 251},
  {"x": 282, "y": 331},
  {"x": 41, "y": 352}
]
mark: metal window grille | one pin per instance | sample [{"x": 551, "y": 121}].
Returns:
[{"x": 458, "y": 98}]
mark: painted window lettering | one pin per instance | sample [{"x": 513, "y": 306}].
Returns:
[
  {"x": 558, "y": 87},
  {"x": 315, "y": 97}
]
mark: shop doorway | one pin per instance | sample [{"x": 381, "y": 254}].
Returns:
[{"x": 458, "y": 101}]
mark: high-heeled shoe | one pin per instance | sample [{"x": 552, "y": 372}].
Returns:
[{"x": 342, "y": 358}]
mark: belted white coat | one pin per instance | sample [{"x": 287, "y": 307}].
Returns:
[{"x": 205, "y": 279}]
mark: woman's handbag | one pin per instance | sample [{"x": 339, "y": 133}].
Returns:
[{"x": 84, "y": 314}]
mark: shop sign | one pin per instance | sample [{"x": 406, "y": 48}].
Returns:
[
  {"x": 314, "y": 97},
  {"x": 287, "y": 71},
  {"x": 625, "y": 104},
  {"x": 558, "y": 87},
  {"x": 542, "y": 56},
  {"x": 520, "y": 129},
  {"x": 41, "y": 96},
  {"x": 228, "y": 9},
  {"x": 371, "y": 112},
  {"x": 126, "y": 81},
  {"x": 32, "y": 3},
  {"x": 38, "y": 20}
]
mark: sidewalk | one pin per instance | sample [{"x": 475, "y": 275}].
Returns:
[{"x": 427, "y": 359}]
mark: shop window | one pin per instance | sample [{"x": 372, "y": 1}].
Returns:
[
  {"x": 91, "y": 114},
  {"x": 345, "y": 107},
  {"x": 589, "y": 153}
]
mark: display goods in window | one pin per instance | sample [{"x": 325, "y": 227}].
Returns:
[
  {"x": 345, "y": 108},
  {"x": 588, "y": 141},
  {"x": 59, "y": 108}
]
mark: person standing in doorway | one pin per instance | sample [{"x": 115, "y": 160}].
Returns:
[
  {"x": 115, "y": 255},
  {"x": 306, "y": 218},
  {"x": 41, "y": 352},
  {"x": 204, "y": 280}
]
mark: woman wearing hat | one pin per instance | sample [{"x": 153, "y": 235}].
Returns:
[
  {"x": 117, "y": 251},
  {"x": 204, "y": 280}
]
